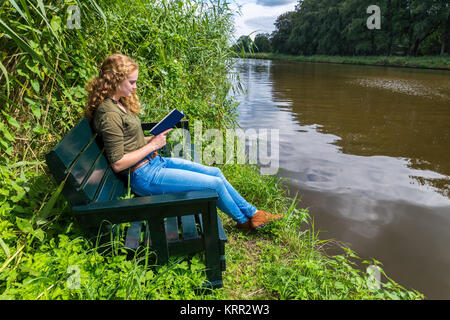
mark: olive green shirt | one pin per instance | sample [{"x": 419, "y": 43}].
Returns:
[{"x": 121, "y": 131}]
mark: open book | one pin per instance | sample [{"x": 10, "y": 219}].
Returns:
[{"x": 167, "y": 122}]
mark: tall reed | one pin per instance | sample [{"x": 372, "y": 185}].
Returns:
[{"x": 184, "y": 57}]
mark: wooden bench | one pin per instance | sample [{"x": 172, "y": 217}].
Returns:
[{"x": 172, "y": 224}]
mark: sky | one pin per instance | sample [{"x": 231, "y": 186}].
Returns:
[{"x": 258, "y": 16}]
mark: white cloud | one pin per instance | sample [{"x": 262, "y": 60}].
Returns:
[
  {"x": 258, "y": 18},
  {"x": 274, "y": 3}
]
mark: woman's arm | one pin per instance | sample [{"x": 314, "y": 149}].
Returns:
[{"x": 131, "y": 158}]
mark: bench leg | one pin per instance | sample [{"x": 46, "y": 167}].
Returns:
[
  {"x": 159, "y": 241},
  {"x": 212, "y": 247}
]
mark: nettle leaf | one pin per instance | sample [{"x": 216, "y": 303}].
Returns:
[
  {"x": 9, "y": 151},
  {"x": 6, "y": 133},
  {"x": 12, "y": 121},
  {"x": 5, "y": 248},
  {"x": 56, "y": 23},
  {"x": 23, "y": 74},
  {"x": 24, "y": 225},
  {"x": 36, "y": 111},
  {"x": 18, "y": 197},
  {"x": 35, "y": 85},
  {"x": 33, "y": 68},
  {"x": 39, "y": 234},
  {"x": 39, "y": 129},
  {"x": 35, "y": 108}
]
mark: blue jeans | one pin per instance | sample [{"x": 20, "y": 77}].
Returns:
[{"x": 171, "y": 175}]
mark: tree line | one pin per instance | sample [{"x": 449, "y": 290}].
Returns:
[{"x": 339, "y": 27}]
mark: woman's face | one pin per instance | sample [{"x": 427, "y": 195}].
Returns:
[{"x": 128, "y": 85}]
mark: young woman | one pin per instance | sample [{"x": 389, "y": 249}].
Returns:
[{"x": 113, "y": 106}]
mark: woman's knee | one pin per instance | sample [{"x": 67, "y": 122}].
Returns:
[
  {"x": 218, "y": 184},
  {"x": 217, "y": 172}
]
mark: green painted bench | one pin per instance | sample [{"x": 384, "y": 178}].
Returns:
[{"x": 171, "y": 224}]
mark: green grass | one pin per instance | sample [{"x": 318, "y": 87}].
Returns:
[{"x": 426, "y": 62}]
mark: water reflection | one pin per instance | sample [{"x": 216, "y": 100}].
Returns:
[
  {"x": 367, "y": 149},
  {"x": 409, "y": 87}
]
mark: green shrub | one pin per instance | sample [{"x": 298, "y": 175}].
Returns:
[{"x": 182, "y": 49}]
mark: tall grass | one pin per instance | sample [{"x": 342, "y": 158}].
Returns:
[{"x": 182, "y": 50}]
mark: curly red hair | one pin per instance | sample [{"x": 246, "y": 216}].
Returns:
[{"x": 114, "y": 69}]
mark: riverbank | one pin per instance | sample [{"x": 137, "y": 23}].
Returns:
[{"x": 427, "y": 62}]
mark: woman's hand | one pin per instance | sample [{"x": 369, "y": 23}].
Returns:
[
  {"x": 131, "y": 158},
  {"x": 159, "y": 140}
]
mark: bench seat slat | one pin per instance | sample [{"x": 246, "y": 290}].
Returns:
[
  {"x": 94, "y": 180},
  {"x": 74, "y": 142},
  {"x": 172, "y": 229},
  {"x": 189, "y": 227},
  {"x": 106, "y": 186},
  {"x": 147, "y": 238},
  {"x": 118, "y": 190},
  {"x": 138, "y": 203},
  {"x": 84, "y": 163},
  {"x": 133, "y": 235}
]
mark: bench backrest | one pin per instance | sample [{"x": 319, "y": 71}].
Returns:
[{"x": 80, "y": 158}]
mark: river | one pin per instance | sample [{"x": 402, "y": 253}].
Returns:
[{"x": 368, "y": 151}]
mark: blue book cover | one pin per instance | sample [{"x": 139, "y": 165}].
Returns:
[{"x": 167, "y": 122}]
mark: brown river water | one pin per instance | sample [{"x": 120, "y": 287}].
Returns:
[{"x": 368, "y": 151}]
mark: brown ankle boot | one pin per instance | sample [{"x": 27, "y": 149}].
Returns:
[
  {"x": 262, "y": 218},
  {"x": 245, "y": 225}
]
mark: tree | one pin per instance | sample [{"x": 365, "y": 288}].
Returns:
[
  {"x": 262, "y": 43},
  {"x": 428, "y": 13},
  {"x": 243, "y": 44},
  {"x": 419, "y": 20},
  {"x": 329, "y": 35},
  {"x": 305, "y": 28},
  {"x": 283, "y": 28},
  {"x": 445, "y": 38},
  {"x": 359, "y": 39},
  {"x": 339, "y": 27}
]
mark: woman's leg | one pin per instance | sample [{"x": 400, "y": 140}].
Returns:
[
  {"x": 171, "y": 180},
  {"x": 178, "y": 163}
]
